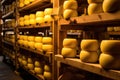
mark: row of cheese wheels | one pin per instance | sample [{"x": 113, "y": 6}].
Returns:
[
  {"x": 10, "y": 23},
  {"x": 107, "y": 54},
  {"x": 23, "y": 3},
  {"x": 36, "y": 42},
  {"x": 95, "y": 6},
  {"x": 38, "y": 18},
  {"x": 116, "y": 28},
  {"x": 10, "y": 38},
  {"x": 38, "y": 67}
]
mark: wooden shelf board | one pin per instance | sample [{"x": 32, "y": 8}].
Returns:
[
  {"x": 7, "y": 42},
  {"x": 94, "y": 68},
  {"x": 8, "y": 15},
  {"x": 34, "y": 5},
  {"x": 114, "y": 33},
  {"x": 8, "y": 29}
]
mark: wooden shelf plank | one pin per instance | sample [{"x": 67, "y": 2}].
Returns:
[
  {"x": 114, "y": 33},
  {"x": 8, "y": 29},
  {"x": 8, "y": 15},
  {"x": 12, "y": 44},
  {"x": 94, "y": 68}
]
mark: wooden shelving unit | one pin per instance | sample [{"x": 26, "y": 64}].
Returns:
[
  {"x": 8, "y": 15},
  {"x": 9, "y": 43}
]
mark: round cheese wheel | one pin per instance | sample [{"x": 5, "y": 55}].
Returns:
[
  {"x": 40, "y": 20},
  {"x": 110, "y": 28},
  {"x": 116, "y": 28},
  {"x": 21, "y": 0},
  {"x": 24, "y": 62},
  {"x": 48, "y": 18},
  {"x": 21, "y": 4},
  {"x": 48, "y": 11},
  {"x": 87, "y": 56},
  {"x": 95, "y": 8},
  {"x": 25, "y": 37},
  {"x": 25, "y": 43},
  {"x": 38, "y": 39},
  {"x": 111, "y": 5},
  {"x": 70, "y": 4},
  {"x": 26, "y": 2},
  {"x": 26, "y": 17},
  {"x": 30, "y": 66},
  {"x": 111, "y": 46},
  {"x": 47, "y": 75},
  {"x": 32, "y": 16},
  {"x": 94, "y": 1},
  {"x": 68, "y": 52},
  {"x": 38, "y": 46},
  {"x": 69, "y": 13},
  {"x": 23, "y": 58},
  {"x": 40, "y": 14},
  {"x": 26, "y": 22},
  {"x": 38, "y": 70},
  {"x": 20, "y": 59},
  {"x": 47, "y": 40},
  {"x": 31, "y": 45},
  {"x": 21, "y": 37},
  {"x": 31, "y": 38},
  {"x": 30, "y": 60},
  {"x": 109, "y": 61},
  {"x": 70, "y": 43},
  {"x": 32, "y": 21},
  {"x": 37, "y": 64},
  {"x": 21, "y": 19},
  {"x": 47, "y": 68},
  {"x": 47, "y": 47},
  {"x": 32, "y": 0},
  {"x": 21, "y": 23},
  {"x": 89, "y": 45}
]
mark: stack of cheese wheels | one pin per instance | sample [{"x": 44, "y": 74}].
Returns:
[
  {"x": 47, "y": 44},
  {"x": 30, "y": 64},
  {"x": 32, "y": 19},
  {"x": 38, "y": 43},
  {"x": 70, "y": 9},
  {"x": 20, "y": 41},
  {"x": 116, "y": 28},
  {"x": 38, "y": 67},
  {"x": 69, "y": 47},
  {"x": 47, "y": 72},
  {"x": 89, "y": 50},
  {"x": 110, "y": 58},
  {"x": 21, "y": 3},
  {"x": 24, "y": 61},
  {"x": 39, "y": 17},
  {"x": 21, "y": 21},
  {"x": 25, "y": 41},
  {"x": 31, "y": 42},
  {"x": 110, "y": 28},
  {"x": 95, "y": 6},
  {"x": 48, "y": 12},
  {"x": 26, "y": 20},
  {"x": 26, "y": 2},
  {"x": 111, "y": 5}
]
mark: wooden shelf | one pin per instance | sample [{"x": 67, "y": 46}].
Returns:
[
  {"x": 114, "y": 33},
  {"x": 8, "y": 29},
  {"x": 6, "y": 2},
  {"x": 94, "y": 68},
  {"x": 9, "y": 43},
  {"x": 33, "y": 5},
  {"x": 8, "y": 15},
  {"x": 99, "y": 21}
]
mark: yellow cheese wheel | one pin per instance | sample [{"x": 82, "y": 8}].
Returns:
[
  {"x": 32, "y": 21},
  {"x": 38, "y": 46},
  {"x": 110, "y": 46},
  {"x": 37, "y": 64},
  {"x": 38, "y": 39},
  {"x": 94, "y": 1},
  {"x": 95, "y": 8},
  {"x": 31, "y": 0},
  {"x": 86, "y": 56},
  {"x": 89, "y": 45},
  {"x": 47, "y": 68},
  {"x": 40, "y": 14},
  {"x": 47, "y": 75},
  {"x": 21, "y": 37},
  {"x": 117, "y": 28},
  {"x": 25, "y": 37},
  {"x": 20, "y": 60},
  {"x": 111, "y": 5},
  {"x": 26, "y": 22},
  {"x": 21, "y": 23},
  {"x": 48, "y": 18},
  {"x": 30, "y": 60},
  {"x": 26, "y": 17},
  {"x": 23, "y": 58},
  {"x": 25, "y": 43},
  {"x": 38, "y": 70},
  {"x": 24, "y": 62},
  {"x": 21, "y": 4},
  {"x": 40, "y": 20},
  {"x": 68, "y": 52},
  {"x": 47, "y": 40},
  {"x": 110, "y": 28},
  {"x": 47, "y": 47},
  {"x": 21, "y": 0},
  {"x": 70, "y": 43},
  {"x": 31, "y": 45},
  {"x": 48, "y": 11},
  {"x": 26, "y": 2},
  {"x": 21, "y": 19},
  {"x": 30, "y": 66},
  {"x": 31, "y": 38},
  {"x": 69, "y": 13},
  {"x": 109, "y": 61},
  {"x": 32, "y": 16}
]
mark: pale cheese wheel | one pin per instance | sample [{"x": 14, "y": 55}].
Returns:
[
  {"x": 25, "y": 43},
  {"x": 48, "y": 11},
  {"x": 30, "y": 66},
  {"x": 40, "y": 14},
  {"x": 116, "y": 28},
  {"x": 47, "y": 68},
  {"x": 38, "y": 39},
  {"x": 31, "y": 38},
  {"x": 70, "y": 4},
  {"x": 48, "y": 18},
  {"x": 87, "y": 56},
  {"x": 32, "y": 21},
  {"x": 47, "y": 75},
  {"x": 40, "y": 20},
  {"x": 38, "y": 70},
  {"x": 47, "y": 47},
  {"x": 32, "y": 16},
  {"x": 31, "y": 45},
  {"x": 26, "y": 2},
  {"x": 110, "y": 28},
  {"x": 109, "y": 61},
  {"x": 111, "y": 5},
  {"x": 30, "y": 60},
  {"x": 68, "y": 52},
  {"x": 70, "y": 43},
  {"x": 38, "y": 46},
  {"x": 94, "y": 8},
  {"x": 26, "y": 17},
  {"x": 69, "y": 13},
  {"x": 47, "y": 40},
  {"x": 110, "y": 46},
  {"x": 89, "y": 45},
  {"x": 37, "y": 64},
  {"x": 94, "y": 1}
]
